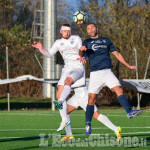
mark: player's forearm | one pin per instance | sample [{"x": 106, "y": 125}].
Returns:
[
  {"x": 46, "y": 53},
  {"x": 81, "y": 53},
  {"x": 121, "y": 59}
]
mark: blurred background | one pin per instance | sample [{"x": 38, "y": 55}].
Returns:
[{"x": 125, "y": 22}]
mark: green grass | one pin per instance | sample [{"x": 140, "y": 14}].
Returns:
[{"x": 21, "y": 130}]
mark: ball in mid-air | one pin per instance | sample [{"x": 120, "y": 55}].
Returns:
[{"x": 79, "y": 17}]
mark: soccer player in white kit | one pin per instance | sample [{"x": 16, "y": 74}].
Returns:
[
  {"x": 73, "y": 70},
  {"x": 80, "y": 98}
]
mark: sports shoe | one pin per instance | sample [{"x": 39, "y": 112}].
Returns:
[
  {"x": 118, "y": 134},
  {"x": 67, "y": 137},
  {"x": 63, "y": 125},
  {"x": 58, "y": 104},
  {"x": 134, "y": 113},
  {"x": 88, "y": 129}
]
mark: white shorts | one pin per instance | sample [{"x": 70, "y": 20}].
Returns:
[
  {"x": 74, "y": 73},
  {"x": 99, "y": 79},
  {"x": 80, "y": 98}
]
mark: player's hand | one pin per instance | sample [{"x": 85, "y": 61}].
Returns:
[
  {"x": 83, "y": 48},
  {"x": 37, "y": 45},
  {"x": 82, "y": 60},
  {"x": 132, "y": 67}
]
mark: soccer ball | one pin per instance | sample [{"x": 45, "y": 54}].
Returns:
[{"x": 79, "y": 17}]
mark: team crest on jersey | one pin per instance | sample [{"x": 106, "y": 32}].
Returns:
[
  {"x": 61, "y": 44},
  {"x": 72, "y": 41}
]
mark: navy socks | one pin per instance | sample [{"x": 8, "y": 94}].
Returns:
[
  {"x": 89, "y": 113},
  {"x": 125, "y": 103}
]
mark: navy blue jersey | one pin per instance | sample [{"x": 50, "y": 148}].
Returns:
[{"x": 98, "y": 52}]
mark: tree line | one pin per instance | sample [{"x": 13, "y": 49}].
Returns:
[{"x": 125, "y": 22}]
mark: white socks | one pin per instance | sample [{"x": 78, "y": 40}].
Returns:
[
  {"x": 65, "y": 93},
  {"x": 68, "y": 128},
  {"x": 107, "y": 122},
  {"x": 63, "y": 112}
]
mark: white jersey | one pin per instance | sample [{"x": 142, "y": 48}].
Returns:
[{"x": 69, "y": 49}]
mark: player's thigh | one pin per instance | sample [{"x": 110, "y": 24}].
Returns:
[
  {"x": 76, "y": 74},
  {"x": 59, "y": 91},
  {"x": 72, "y": 102},
  {"x": 70, "y": 108},
  {"x": 64, "y": 74},
  {"x": 96, "y": 82},
  {"x": 111, "y": 80}
]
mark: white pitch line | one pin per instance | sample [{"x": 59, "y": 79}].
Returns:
[
  {"x": 79, "y": 115},
  {"x": 83, "y": 135},
  {"x": 1, "y": 130}
]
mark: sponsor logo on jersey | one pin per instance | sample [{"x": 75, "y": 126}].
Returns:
[
  {"x": 98, "y": 41},
  {"x": 96, "y": 47}
]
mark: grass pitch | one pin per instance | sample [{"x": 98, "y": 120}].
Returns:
[{"x": 32, "y": 130}]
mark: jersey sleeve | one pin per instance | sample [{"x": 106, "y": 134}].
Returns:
[
  {"x": 50, "y": 52},
  {"x": 79, "y": 42},
  {"x": 111, "y": 46},
  {"x": 84, "y": 43}
]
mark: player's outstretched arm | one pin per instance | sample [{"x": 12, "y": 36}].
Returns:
[
  {"x": 122, "y": 60},
  {"x": 49, "y": 53}
]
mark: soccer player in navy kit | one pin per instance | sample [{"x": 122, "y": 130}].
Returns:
[{"x": 98, "y": 51}]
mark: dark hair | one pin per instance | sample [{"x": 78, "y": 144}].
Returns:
[
  {"x": 68, "y": 25},
  {"x": 92, "y": 23}
]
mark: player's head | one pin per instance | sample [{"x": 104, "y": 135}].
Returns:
[
  {"x": 92, "y": 29},
  {"x": 65, "y": 31}
]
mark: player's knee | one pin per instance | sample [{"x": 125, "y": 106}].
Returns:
[
  {"x": 68, "y": 81},
  {"x": 92, "y": 99},
  {"x": 118, "y": 90}
]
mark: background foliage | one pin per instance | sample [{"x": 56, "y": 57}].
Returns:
[{"x": 125, "y": 22}]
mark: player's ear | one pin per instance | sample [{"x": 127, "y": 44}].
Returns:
[{"x": 60, "y": 31}]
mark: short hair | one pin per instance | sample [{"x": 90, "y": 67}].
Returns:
[
  {"x": 93, "y": 24},
  {"x": 67, "y": 25}
]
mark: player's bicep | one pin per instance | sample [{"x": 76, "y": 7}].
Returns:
[{"x": 116, "y": 54}]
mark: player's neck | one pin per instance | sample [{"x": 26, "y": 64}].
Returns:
[{"x": 94, "y": 37}]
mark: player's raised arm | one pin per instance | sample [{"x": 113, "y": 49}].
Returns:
[
  {"x": 122, "y": 60},
  {"x": 45, "y": 52}
]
